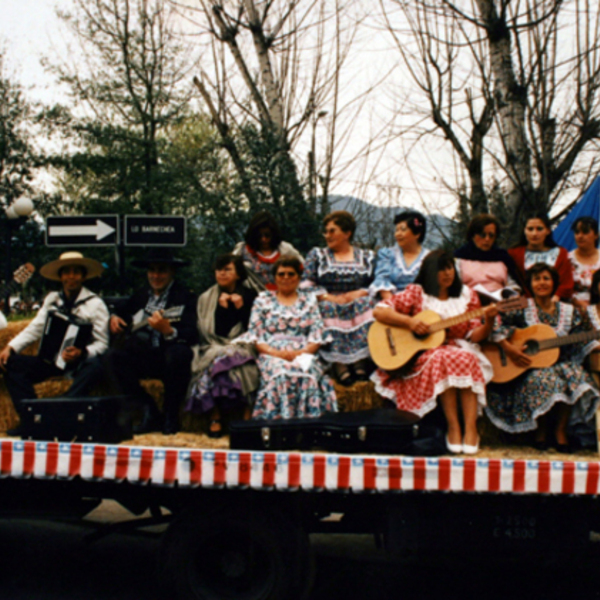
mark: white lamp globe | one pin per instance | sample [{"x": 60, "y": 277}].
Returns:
[
  {"x": 10, "y": 212},
  {"x": 23, "y": 206}
]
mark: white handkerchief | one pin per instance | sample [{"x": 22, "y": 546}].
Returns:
[{"x": 304, "y": 361}]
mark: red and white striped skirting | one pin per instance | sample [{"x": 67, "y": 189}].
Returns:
[{"x": 293, "y": 470}]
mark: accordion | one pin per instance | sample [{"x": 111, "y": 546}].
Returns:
[{"x": 60, "y": 332}]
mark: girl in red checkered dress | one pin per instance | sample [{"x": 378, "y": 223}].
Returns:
[{"x": 456, "y": 371}]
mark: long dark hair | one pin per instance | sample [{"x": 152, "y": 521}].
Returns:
[
  {"x": 434, "y": 262},
  {"x": 594, "y": 294},
  {"x": 262, "y": 219},
  {"x": 543, "y": 217}
]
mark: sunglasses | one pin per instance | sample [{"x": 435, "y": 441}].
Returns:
[{"x": 486, "y": 234}]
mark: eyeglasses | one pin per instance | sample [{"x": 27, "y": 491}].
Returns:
[
  {"x": 486, "y": 234},
  {"x": 289, "y": 274}
]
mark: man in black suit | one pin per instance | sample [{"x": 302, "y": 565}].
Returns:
[{"x": 162, "y": 348}]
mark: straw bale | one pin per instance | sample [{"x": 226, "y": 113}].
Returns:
[{"x": 359, "y": 396}]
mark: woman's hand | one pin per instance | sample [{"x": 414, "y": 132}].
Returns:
[
  {"x": 418, "y": 327},
  {"x": 355, "y": 295},
  {"x": 516, "y": 354}
]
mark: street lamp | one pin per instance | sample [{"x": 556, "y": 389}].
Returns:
[{"x": 16, "y": 214}]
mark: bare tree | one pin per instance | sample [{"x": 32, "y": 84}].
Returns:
[
  {"x": 277, "y": 66},
  {"x": 512, "y": 87}
]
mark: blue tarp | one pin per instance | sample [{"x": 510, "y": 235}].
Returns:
[{"x": 587, "y": 206}]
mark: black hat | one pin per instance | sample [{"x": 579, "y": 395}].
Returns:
[{"x": 159, "y": 255}]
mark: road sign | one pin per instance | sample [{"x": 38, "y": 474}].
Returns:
[
  {"x": 157, "y": 230},
  {"x": 88, "y": 230}
]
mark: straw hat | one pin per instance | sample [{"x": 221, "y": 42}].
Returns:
[{"x": 51, "y": 269}]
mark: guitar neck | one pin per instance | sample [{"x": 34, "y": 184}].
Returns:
[
  {"x": 574, "y": 338},
  {"x": 452, "y": 321}
]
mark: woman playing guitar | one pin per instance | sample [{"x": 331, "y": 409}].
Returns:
[
  {"x": 455, "y": 370},
  {"x": 562, "y": 390}
]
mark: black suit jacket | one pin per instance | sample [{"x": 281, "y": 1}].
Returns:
[{"x": 187, "y": 327}]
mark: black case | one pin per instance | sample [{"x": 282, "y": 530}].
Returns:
[
  {"x": 103, "y": 419},
  {"x": 367, "y": 431}
]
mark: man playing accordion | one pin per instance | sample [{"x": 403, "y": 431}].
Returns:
[{"x": 72, "y": 327}]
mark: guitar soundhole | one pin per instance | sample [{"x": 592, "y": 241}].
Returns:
[
  {"x": 532, "y": 347},
  {"x": 420, "y": 336}
]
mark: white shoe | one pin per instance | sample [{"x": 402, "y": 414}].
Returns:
[
  {"x": 471, "y": 449},
  {"x": 454, "y": 448}
]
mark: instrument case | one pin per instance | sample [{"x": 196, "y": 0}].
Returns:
[
  {"x": 384, "y": 431},
  {"x": 102, "y": 419}
]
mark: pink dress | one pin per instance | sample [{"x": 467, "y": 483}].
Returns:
[{"x": 457, "y": 363}]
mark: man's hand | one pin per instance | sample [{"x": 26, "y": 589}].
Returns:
[
  {"x": 71, "y": 354},
  {"x": 117, "y": 324},
  {"x": 4, "y": 356},
  {"x": 160, "y": 324}
]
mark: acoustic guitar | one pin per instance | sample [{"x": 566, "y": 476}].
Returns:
[
  {"x": 540, "y": 343},
  {"x": 20, "y": 276},
  {"x": 392, "y": 347}
]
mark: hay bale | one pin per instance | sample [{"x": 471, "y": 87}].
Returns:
[{"x": 359, "y": 396}]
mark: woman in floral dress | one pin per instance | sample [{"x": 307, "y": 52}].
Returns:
[
  {"x": 585, "y": 259},
  {"x": 261, "y": 249},
  {"x": 563, "y": 391},
  {"x": 339, "y": 276},
  {"x": 456, "y": 370},
  {"x": 287, "y": 329}
]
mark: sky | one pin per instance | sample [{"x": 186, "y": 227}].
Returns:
[{"x": 28, "y": 30}]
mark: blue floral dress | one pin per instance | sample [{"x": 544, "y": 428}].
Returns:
[
  {"x": 289, "y": 389},
  {"x": 348, "y": 324},
  {"x": 391, "y": 273},
  {"x": 515, "y": 406}
]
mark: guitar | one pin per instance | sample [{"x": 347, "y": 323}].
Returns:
[
  {"x": 20, "y": 276},
  {"x": 541, "y": 344},
  {"x": 140, "y": 319},
  {"x": 392, "y": 347},
  {"x": 137, "y": 329}
]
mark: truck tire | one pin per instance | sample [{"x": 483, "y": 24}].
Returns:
[{"x": 235, "y": 552}]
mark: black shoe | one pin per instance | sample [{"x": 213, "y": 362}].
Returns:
[
  {"x": 15, "y": 431},
  {"x": 541, "y": 445},
  {"x": 171, "y": 426},
  {"x": 564, "y": 448},
  {"x": 215, "y": 433},
  {"x": 151, "y": 421}
]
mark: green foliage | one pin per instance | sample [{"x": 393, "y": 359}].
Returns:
[{"x": 276, "y": 186}]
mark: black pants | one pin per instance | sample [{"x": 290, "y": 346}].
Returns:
[
  {"x": 171, "y": 364},
  {"x": 22, "y": 372}
]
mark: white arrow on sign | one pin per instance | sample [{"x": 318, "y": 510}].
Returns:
[{"x": 100, "y": 230}]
